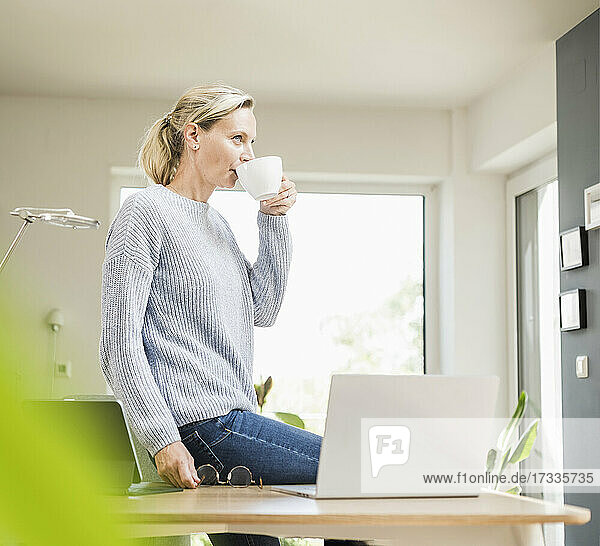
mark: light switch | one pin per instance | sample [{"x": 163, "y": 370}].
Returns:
[
  {"x": 581, "y": 367},
  {"x": 63, "y": 369}
]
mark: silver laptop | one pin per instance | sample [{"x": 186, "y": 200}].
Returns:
[{"x": 383, "y": 432}]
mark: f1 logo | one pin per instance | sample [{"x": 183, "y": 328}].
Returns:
[{"x": 388, "y": 445}]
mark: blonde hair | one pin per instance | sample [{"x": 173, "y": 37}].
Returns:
[{"x": 204, "y": 105}]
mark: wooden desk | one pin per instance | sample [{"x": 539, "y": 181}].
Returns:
[{"x": 494, "y": 519}]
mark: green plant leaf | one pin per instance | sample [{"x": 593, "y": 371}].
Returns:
[
  {"x": 260, "y": 397},
  {"x": 525, "y": 444},
  {"x": 516, "y": 490},
  {"x": 268, "y": 384},
  {"x": 290, "y": 419},
  {"x": 514, "y": 422},
  {"x": 491, "y": 460},
  {"x": 505, "y": 459},
  {"x": 261, "y": 391}
]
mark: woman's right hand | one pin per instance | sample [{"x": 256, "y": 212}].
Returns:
[{"x": 175, "y": 465}]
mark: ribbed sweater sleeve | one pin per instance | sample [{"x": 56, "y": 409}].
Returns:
[
  {"x": 132, "y": 252},
  {"x": 268, "y": 276}
]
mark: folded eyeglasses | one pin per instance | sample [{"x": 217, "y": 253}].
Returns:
[{"x": 239, "y": 476}]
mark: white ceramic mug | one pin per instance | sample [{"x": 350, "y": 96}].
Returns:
[{"x": 261, "y": 177}]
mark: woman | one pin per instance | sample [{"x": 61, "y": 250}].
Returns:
[{"x": 179, "y": 303}]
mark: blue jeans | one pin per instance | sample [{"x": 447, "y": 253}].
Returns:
[{"x": 276, "y": 452}]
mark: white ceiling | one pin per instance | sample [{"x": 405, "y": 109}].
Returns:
[{"x": 428, "y": 53}]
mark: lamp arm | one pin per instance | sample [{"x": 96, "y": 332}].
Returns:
[{"x": 26, "y": 222}]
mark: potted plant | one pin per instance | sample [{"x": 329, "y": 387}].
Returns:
[{"x": 508, "y": 450}]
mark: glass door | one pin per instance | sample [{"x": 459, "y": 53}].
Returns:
[{"x": 539, "y": 367}]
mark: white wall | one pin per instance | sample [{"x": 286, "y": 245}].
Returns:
[
  {"x": 58, "y": 153},
  {"x": 510, "y": 128},
  {"x": 336, "y": 139},
  {"x": 472, "y": 268},
  {"x": 515, "y": 122}
]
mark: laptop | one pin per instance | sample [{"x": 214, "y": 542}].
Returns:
[
  {"x": 384, "y": 432},
  {"x": 105, "y": 420}
]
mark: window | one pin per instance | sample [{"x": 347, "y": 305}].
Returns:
[
  {"x": 125, "y": 193},
  {"x": 354, "y": 300}
]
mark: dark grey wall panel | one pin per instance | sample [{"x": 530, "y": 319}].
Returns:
[{"x": 577, "y": 68}]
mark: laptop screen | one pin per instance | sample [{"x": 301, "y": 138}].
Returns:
[{"x": 99, "y": 425}]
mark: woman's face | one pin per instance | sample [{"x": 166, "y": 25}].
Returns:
[{"x": 225, "y": 147}]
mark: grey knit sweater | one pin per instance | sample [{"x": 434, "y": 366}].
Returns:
[{"x": 179, "y": 302}]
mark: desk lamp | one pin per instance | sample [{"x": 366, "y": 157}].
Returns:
[{"x": 56, "y": 217}]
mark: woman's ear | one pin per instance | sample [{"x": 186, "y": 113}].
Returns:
[{"x": 191, "y": 136}]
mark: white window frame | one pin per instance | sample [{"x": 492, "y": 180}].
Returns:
[
  {"x": 352, "y": 183},
  {"x": 541, "y": 172},
  {"x": 537, "y": 174}
]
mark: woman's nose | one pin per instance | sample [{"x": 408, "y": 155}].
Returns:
[{"x": 248, "y": 153}]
